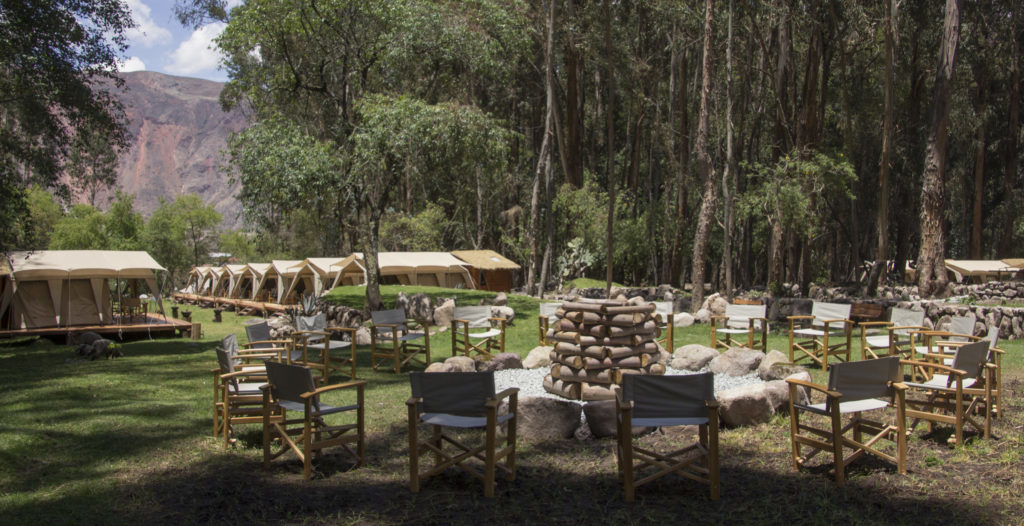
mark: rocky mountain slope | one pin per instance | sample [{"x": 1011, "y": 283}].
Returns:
[{"x": 179, "y": 131}]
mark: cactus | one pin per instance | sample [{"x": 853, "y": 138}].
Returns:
[{"x": 308, "y": 304}]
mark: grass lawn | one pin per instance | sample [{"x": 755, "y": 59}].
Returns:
[{"x": 130, "y": 441}]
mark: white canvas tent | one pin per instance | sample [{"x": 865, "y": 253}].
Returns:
[
  {"x": 236, "y": 276},
  {"x": 63, "y": 288},
  {"x": 435, "y": 269},
  {"x": 979, "y": 271},
  {"x": 320, "y": 275},
  {"x": 283, "y": 271},
  {"x": 257, "y": 272}
]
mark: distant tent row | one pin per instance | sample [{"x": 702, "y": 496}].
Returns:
[
  {"x": 285, "y": 281},
  {"x": 64, "y": 288}
]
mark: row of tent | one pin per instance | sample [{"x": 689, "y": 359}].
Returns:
[{"x": 285, "y": 281}]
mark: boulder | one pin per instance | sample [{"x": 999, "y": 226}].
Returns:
[
  {"x": 507, "y": 360},
  {"x": 693, "y": 357},
  {"x": 500, "y": 300},
  {"x": 717, "y": 305},
  {"x": 505, "y": 313},
  {"x": 683, "y": 319},
  {"x": 461, "y": 364},
  {"x": 746, "y": 405},
  {"x": 778, "y": 393},
  {"x": 443, "y": 314},
  {"x": 703, "y": 316},
  {"x": 773, "y": 357},
  {"x": 438, "y": 367},
  {"x": 485, "y": 366},
  {"x": 420, "y": 308},
  {"x": 542, "y": 418},
  {"x": 780, "y": 371},
  {"x": 805, "y": 393},
  {"x": 363, "y": 336},
  {"x": 737, "y": 361},
  {"x": 402, "y": 302},
  {"x": 663, "y": 356},
  {"x": 538, "y": 357},
  {"x": 601, "y": 419}
]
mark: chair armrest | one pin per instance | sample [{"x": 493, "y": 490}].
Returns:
[
  {"x": 843, "y": 320},
  {"x": 413, "y": 400},
  {"x": 934, "y": 366},
  {"x": 272, "y": 342},
  {"x": 334, "y": 387},
  {"x": 900, "y": 386},
  {"x": 341, "y": 329},
  {"x": 392, "y": 326},
  {"x": 815, "y": 387},
  {"x": 800, "y": 317},
  {"x": 711, "y": 404},
  {"x": 874, "y": 323},
  {"x": 493, "y": 402},
  {"x": 719, "y": 317},
  {"x": 237, "y": 374}
]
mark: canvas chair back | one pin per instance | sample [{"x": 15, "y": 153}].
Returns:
[
  {"x": 906, "y": 318},
  {"x": 312, "y": 323},
  {"x": 864, "y": 379},
  {"x": 230, "y": 345},
  {"x": 663, "y": 307},
  {"x": 971, "y": 357},
  {"x": 548, "y": 310},
  {"x": 389, "y": 317},
  {"x": 259, "y": 332},
  {"x": 461, "y": 394},
  {"x": 992, "y": 336},
  {"x": 961, "y": 325},
  {"x": 829, "y": 311},
  {"x": 227, "y": 366},
  {"x": 290, "y": 382},
  {"x": 479, "y": 317},
  {"x": 675, "y": 396},
  {"x": 739, "y": 315}
]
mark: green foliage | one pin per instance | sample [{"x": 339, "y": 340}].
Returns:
[
  {"x": 180, "y": 234},
  {"x": 423, "y": 232},
  {"x": 239, "y": 244},
  {"x": 43, "y": 215},
  {"x": 92, "y": 164},
  {"x": 124, "y": 225},
  {"x": 82, "y": 229},
  {"x": 200, "y": 222},
  {"x": 57, "y": 62},
  {"x": 797, "y": 189},
  {"x": 575, "y": 260}
]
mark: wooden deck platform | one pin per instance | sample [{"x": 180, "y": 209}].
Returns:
[
  {"x": 262, "y": 307},
  {"x": 155, "y": 325}
]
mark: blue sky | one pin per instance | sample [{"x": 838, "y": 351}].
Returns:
[{"x": 160, "y": 43}]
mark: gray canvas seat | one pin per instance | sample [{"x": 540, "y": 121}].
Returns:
[
  {"x": 292, "y": 388},
  {"x": 460, "y": 400},
  {"x": 475, "y": 331},
  {"x": 853, "y": 388},
  {"x": 748, "y": 320},
  {"x": 895, "y": 336},
  {"x": 396, "y": 340},
  {"x": 956, "y": 393},
  {"x": 824, "y": 334},
  {"x": 662, "y": 401},
  {"x": 665, "y": 311},
  {"x": 259, "y": 337}
]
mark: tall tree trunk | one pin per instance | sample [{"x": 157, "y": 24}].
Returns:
[
  {"x": 1011, "y": 142},
  {"x": 885, "y": 164},
  {"x": 573, "y": 105},
  {"x": 610, "y": 116},
  {"x": 682, "y": 167},
  {"x": 729, "y": 175},
  {"x": 373, "y": 299},
  {"x": 981, "y": 79},
  {"x": 707, "y": 170},
  {"x": 534, "y": 231},
  {"x": 931, "y": 268},
  {"x": 544, "y": 159},
  {"x": 549, "y": 85}
]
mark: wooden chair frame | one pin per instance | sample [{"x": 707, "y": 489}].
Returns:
[
  {"x": 834, "y": 439},
  {"x": 311, "y": 434},
  {"x": 819, "y": 348},
  {"x": 544, "y": 322},
  {"x": 487, "y": 452},
  {"x": 943, "y": 355},
  {"x": 395, "y": 344},
  {"x": 463, "y": 338},
  {"x": 631, "y": 458},
  {"x": 900, "y": 338},
  {"x": 725, "y": 325},
  {"x": 667, "y": 324}
]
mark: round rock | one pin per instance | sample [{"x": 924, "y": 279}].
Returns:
[
  {"x": 737, "y": 361},
  {"x": 547, "y": 419}
]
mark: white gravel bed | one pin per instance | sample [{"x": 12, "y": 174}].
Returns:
[{"x": 530, "y": 381}]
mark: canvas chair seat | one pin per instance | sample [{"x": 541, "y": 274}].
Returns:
[
  {"x": 466, "y": 422},
  {"x": 816, "y": 332},
  {"x": 942, "y": 381},
  {"x": 476, "y": 323},
  {"x": 461, "y": 400},
  {"x": 292, "y": 388},
  {"x": 853, "y": 388},
  {"x": 394, "y": 342},
  {"x": 896, "y": 336},
  {"x": 669, "y": 422},
  {"x": 237, "y": 394}
]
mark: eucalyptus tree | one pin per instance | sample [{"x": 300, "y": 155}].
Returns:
[{"x": 57, "y": 63}]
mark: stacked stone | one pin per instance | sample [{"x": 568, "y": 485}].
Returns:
[{"x": 599, "y": 341}]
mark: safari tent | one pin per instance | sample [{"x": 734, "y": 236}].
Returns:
[
  {"x": 979, "y": 271},
  {"x": 433, "y": 269},
  {"x": 66, "y": 288},
  {"x": 489, "y": 269}
]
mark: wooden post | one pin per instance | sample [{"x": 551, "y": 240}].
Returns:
[{"x": 197, "y": 331}]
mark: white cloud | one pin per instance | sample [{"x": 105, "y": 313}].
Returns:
[
  {"x": 198, "y": 53},
  {"x": 132, "y": 64},
  {"x": 146, "y": 32}
]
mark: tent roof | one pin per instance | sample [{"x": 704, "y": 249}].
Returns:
[
  {"x": 967, "y": 267},
  {"x": 415, "y": 261},
  {"x": 322, "y": 266},
  {"x": 234, "y": 269},
  {"x": 1015, "y": 262},
  {"x": 50, "y": 264},
  {"x": 258, "y": 269},
  {"x": 284, "y": 266},
  {"x": 486, "y": 259}
]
